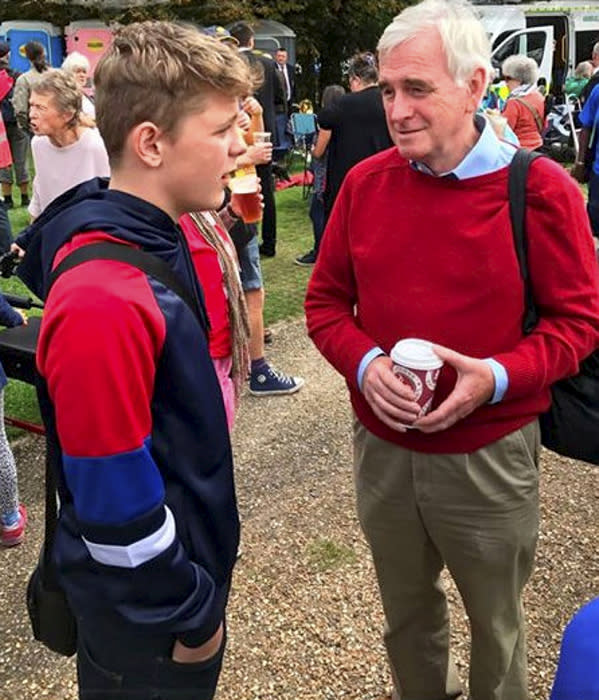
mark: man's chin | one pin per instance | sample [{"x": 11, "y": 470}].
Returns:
[{"x": 410, "y": 149}]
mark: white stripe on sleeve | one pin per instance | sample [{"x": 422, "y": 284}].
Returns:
[{"x": 133, "y": 555}]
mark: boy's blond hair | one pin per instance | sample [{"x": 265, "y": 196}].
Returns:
[{"x": 159, "y": 72}]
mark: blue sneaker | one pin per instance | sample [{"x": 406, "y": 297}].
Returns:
[{"x": 270, "y": 382}]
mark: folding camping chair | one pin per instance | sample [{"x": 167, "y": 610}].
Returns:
[{"x": 303, "y": 129}]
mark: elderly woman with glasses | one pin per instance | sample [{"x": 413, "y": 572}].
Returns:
[{"x": 525, "y": 106}]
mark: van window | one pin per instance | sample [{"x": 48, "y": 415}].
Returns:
[
  {"x": 531, "y": 44},
  {"x": 499, "y": 38}
]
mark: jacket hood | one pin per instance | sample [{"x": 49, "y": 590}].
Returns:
[{"x": 91, "y": 206}]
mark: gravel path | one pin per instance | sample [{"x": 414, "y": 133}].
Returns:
[{"x": 304, "y": 619}]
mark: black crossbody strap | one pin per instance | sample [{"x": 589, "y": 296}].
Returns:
[
  {"x": 518, "y": 172},
  {"x": 146, "y": 262},
  {"x": 51, "y": 515}
]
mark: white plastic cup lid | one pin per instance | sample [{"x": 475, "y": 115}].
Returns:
[{"x": 416, "y": 354}]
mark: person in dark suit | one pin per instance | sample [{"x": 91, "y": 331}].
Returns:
[
  {"x": 286, "y": 75},
  {"x": 357, "y": 125},
  {"x": 288, "y": 72},
  {"x": 267, "y": 94}
]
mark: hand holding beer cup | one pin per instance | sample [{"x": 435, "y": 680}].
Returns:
[
  {"x": 246, "y": 195},
  {"x": 260, "y": 153},
  {"x": 263, "y": 142}
]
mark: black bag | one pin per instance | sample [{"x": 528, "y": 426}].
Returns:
[
  {"x": 571, "y": 425},
  {"x": 52, "y": 620}
]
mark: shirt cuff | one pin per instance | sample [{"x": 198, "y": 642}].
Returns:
[
  {"x": 365, "y": 361},
  {"x": 501, "y": 380}
]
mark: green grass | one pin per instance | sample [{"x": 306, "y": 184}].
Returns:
[
  {"x": 285, "y": 284},
  {"x": 325, "y": 555}
]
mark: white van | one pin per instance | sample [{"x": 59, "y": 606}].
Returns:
[{"x": 558, "y": 35}]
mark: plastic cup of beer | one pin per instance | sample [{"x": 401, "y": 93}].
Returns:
[
  {"x": 419, "y": 366},
  {"x": 245, "y": 189},
  {"x": 262, "y": 136}
]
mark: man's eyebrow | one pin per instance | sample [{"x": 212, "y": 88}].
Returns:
[
  {"x": 410, "y": 83},
  {"x": 418, "y": 83}
]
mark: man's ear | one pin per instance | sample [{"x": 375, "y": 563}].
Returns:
[
  {"x": 477, "y": 84},
  {"x": 146, "y": 141}
]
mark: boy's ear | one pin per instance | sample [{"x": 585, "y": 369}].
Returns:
[{"x": 145, "y": 141}]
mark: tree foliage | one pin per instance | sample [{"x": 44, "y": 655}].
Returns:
[{"x": 328, "y": 31}]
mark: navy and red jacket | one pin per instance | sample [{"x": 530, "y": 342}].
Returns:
[{"x": 148, "y": 528}]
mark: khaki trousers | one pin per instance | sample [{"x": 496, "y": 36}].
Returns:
[{"x": 478, "y": 515}]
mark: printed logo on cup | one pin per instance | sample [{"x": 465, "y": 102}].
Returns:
[
  {"x": 413, "y": 379},
  {"x": 416, "y": 360},
  {"x": 431, "y": 378}
]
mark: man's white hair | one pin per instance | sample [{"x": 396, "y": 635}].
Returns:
[
  {"x": 463, "y": 36},
  {"x": 75, "y": 60}
]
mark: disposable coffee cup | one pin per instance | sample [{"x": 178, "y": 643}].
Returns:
[
  {"x": 262, "y": 136},
  {"x": 415, "y": 361}
]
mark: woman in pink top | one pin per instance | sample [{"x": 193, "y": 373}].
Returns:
[
  {"x": 65, "y": 151},
  {"x": 525, "y": 107}
]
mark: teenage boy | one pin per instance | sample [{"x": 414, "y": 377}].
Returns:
[{"x": 148, "y": 528}]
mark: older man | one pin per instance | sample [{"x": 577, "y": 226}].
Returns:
[{"x": 419, "y": 244}]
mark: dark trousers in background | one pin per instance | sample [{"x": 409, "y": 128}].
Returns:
[
  {"x": 593, "y": 203},
  {"x": 5, "y": 229},
  {"x": 269, "y": 215},
  {"x": 317, "y": 217},
  {"x": 116, "y": 664}
]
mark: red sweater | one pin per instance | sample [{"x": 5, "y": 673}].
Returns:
[{"x": 419, "y": 256}]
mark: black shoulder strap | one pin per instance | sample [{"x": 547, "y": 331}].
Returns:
[
  {"x": 146, "y": 262},
  {"x": 51, "y": 513},
  {"x": 518, "y": 172}
]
